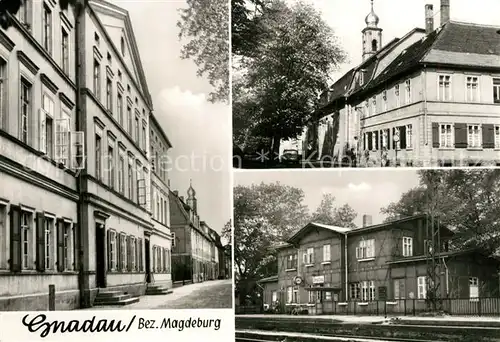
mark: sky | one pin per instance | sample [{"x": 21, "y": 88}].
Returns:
[
  {"x": 365, "y": 190},
  {"x": 199, "y": 131},
  {"x": 397, "y": 17}
]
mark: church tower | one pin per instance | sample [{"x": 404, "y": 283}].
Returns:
[
  {"x": 191, "y": 200},
  {"x": 372, "y": 35}
]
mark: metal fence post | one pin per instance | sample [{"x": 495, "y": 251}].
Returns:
[
  {"x": 52, "y": 297},
  {"x": 385, "y": 309},
  {"x": 414, "y": 307}
]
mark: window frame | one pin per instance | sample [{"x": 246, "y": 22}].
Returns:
[
  {"x": 47, "y": 28},
  {"x": 26, "y": 109},
  {"x": 451, "y": 133},
  {"x": 477, "y": 141},
  {"x": 444, "y": 93},
  {"x": 407, "y": 246},
  {"x": 472, "y": 95}
]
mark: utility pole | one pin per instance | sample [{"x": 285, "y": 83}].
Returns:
[{"x": 433, "y": 250}]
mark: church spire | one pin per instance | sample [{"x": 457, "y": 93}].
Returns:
[{"x": 372, "y": 34}]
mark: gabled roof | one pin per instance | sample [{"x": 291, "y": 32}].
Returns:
[
  {"x": 351, "y": 231},
  {"x": 454, "y": 44},
  {"x": 106, "y": 11},
  {"x": 312, "y": 225}
]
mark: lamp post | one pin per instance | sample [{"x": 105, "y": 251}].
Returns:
[{"x": 396, "y": 140}]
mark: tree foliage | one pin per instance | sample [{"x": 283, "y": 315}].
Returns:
[
  {"x": 9, "y": 8},
  {"x": 265, "y": 215},
  {"x": 279, "y": 79},
  {"x": 205, "y": 26},
  {"x": 468, "y": 201},
  {"x": 327, "y": 213}
]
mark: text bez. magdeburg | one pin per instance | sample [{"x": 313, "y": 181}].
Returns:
[{"x": 44, "y": 327}]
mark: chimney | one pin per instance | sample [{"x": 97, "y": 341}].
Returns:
[
  {"x": 182, "y": 198},
  {"x": 445, "y": 11},
  {"x": 429, "y": 18},
  {"x": 367, "y": 220},
  {"x": 176, "y": 193}
]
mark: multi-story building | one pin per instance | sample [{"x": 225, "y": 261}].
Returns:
[
  {"x": 333, "y": 269},
  {"x": 161, "y": 237},
  {"x": 75, "y": 175},
  {"x": 38, "y": 184},
  {"x": 438, "y": 96},
  {"x": 191, "y": 253}
]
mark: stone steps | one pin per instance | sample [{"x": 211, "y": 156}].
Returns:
[
  {"x": 114, "y": 298},
  {"x": 157, "y": 290}
]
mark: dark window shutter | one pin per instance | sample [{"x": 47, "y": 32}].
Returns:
[
  {"x": 15, "y": 239},
  {"x": 76, "y": 248},
  {"x": 389, "y": 140},
  {"x": 393, "y": 134},
  {"x": 435, "y": 134},
  {"x": 119, "y": 251},
  {"x": 108, "y": 245},
  {"x": 488, "y": 136},
  {"x": 40, "y": 242},
  {"x": 402, "y": 137},
  {"x": 129, "y": 254},
  {"x": 460, "y": 135},
  {"x": 141, "y": 255},
  {"x": 377, "y": 139},
  {"x": 370, "y": 141},
  {"x": 60, "y": 245}
]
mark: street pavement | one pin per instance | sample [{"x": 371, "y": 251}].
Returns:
[{"x": 215, "y": 294}]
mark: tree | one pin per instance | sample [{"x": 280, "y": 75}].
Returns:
[
  {"x": 288, "y": 69},
  {"x": 9, "y": 8},
  {"x": 245, "y": 25},
  {"x": 206, "y": 26},
  {"x": 326, "y": 213},
  {"x": 264, "y": 216},
  {"x": 467, "y": 201}
]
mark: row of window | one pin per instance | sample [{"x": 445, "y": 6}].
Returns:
[
  {"x": 25, "y": 16},
  {"x": 200, "y": 245},
  {"x": 472, "y": 88},
  {"x": 371, "y": 104},
  {"x": 40, "y": 241},
  {"x": 135, "y": 186},
  {"x": 444, "y": 93},
  {"x": 124, "y": 252},
  {"x": 56, "y": 139},
  {"x": 365, "y": 250},
  {"x": 293, "y": 295},
  {"x": 384, "y": 139},
  {"x": 132, "y": 123},
  {"x": 161, "y": 259},
  {"x": 160, "y": 208},
  {"x": 158, "y": 155},
  {"x": 461, "y": 135}
]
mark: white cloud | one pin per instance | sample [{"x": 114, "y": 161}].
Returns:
[
  {"x": 359, "y": 187},
  {"x": 176, "y": 98}
]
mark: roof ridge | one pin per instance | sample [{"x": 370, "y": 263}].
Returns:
[{"x": 473, "y": 24}]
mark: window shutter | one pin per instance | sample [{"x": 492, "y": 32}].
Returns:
[
  {"x": 435, "y": 134},
  {"x": 488, "y": 136},
  {"x": 129, "y": 254},
  {"x": 370, "y": 141},
  {"x": 60, "y": 245},
  {"x": 108, "y": 244},
  {"x": 40, "y": 242},
  {"x": 119, "y": 251},
  {"x": 393, "y": 143},
  {"x": 43, "y": 130},
  {"x": 389, "y": 141},
  {"x": 460, "y": 135},
  {"x": 76, "y": 249},
  {"x": 140, "y": 255},
  {"x": 357, "y": 253},
  {"x": 377, "y": 138},
  {"x": 15, "y": 239},
  {"x": 402, "y": 137}
]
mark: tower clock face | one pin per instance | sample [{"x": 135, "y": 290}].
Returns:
[{"x": 298, "y": 280}]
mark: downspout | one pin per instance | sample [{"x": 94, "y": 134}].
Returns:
[
  {"x": 424, "y": 95},
  {"x": 78, "y": 10},
  {"x": 345, "y": 265}
]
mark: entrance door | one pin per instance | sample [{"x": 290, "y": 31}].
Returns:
[
  {"x": 147, "y": 260},
  {"x": 100, "y": 241}
]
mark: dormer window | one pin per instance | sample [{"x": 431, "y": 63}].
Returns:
[{"x": 362, "y": 77}]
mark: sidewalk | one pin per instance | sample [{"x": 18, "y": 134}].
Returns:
[{"x": 209, "y": 294}]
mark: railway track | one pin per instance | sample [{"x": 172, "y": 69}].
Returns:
[{"x": 267, "y": 336}]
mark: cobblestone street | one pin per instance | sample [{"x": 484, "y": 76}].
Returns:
[{"x": 216, "y": 294}]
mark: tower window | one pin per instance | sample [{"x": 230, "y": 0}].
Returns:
[{"x": 374, "y": 45}]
